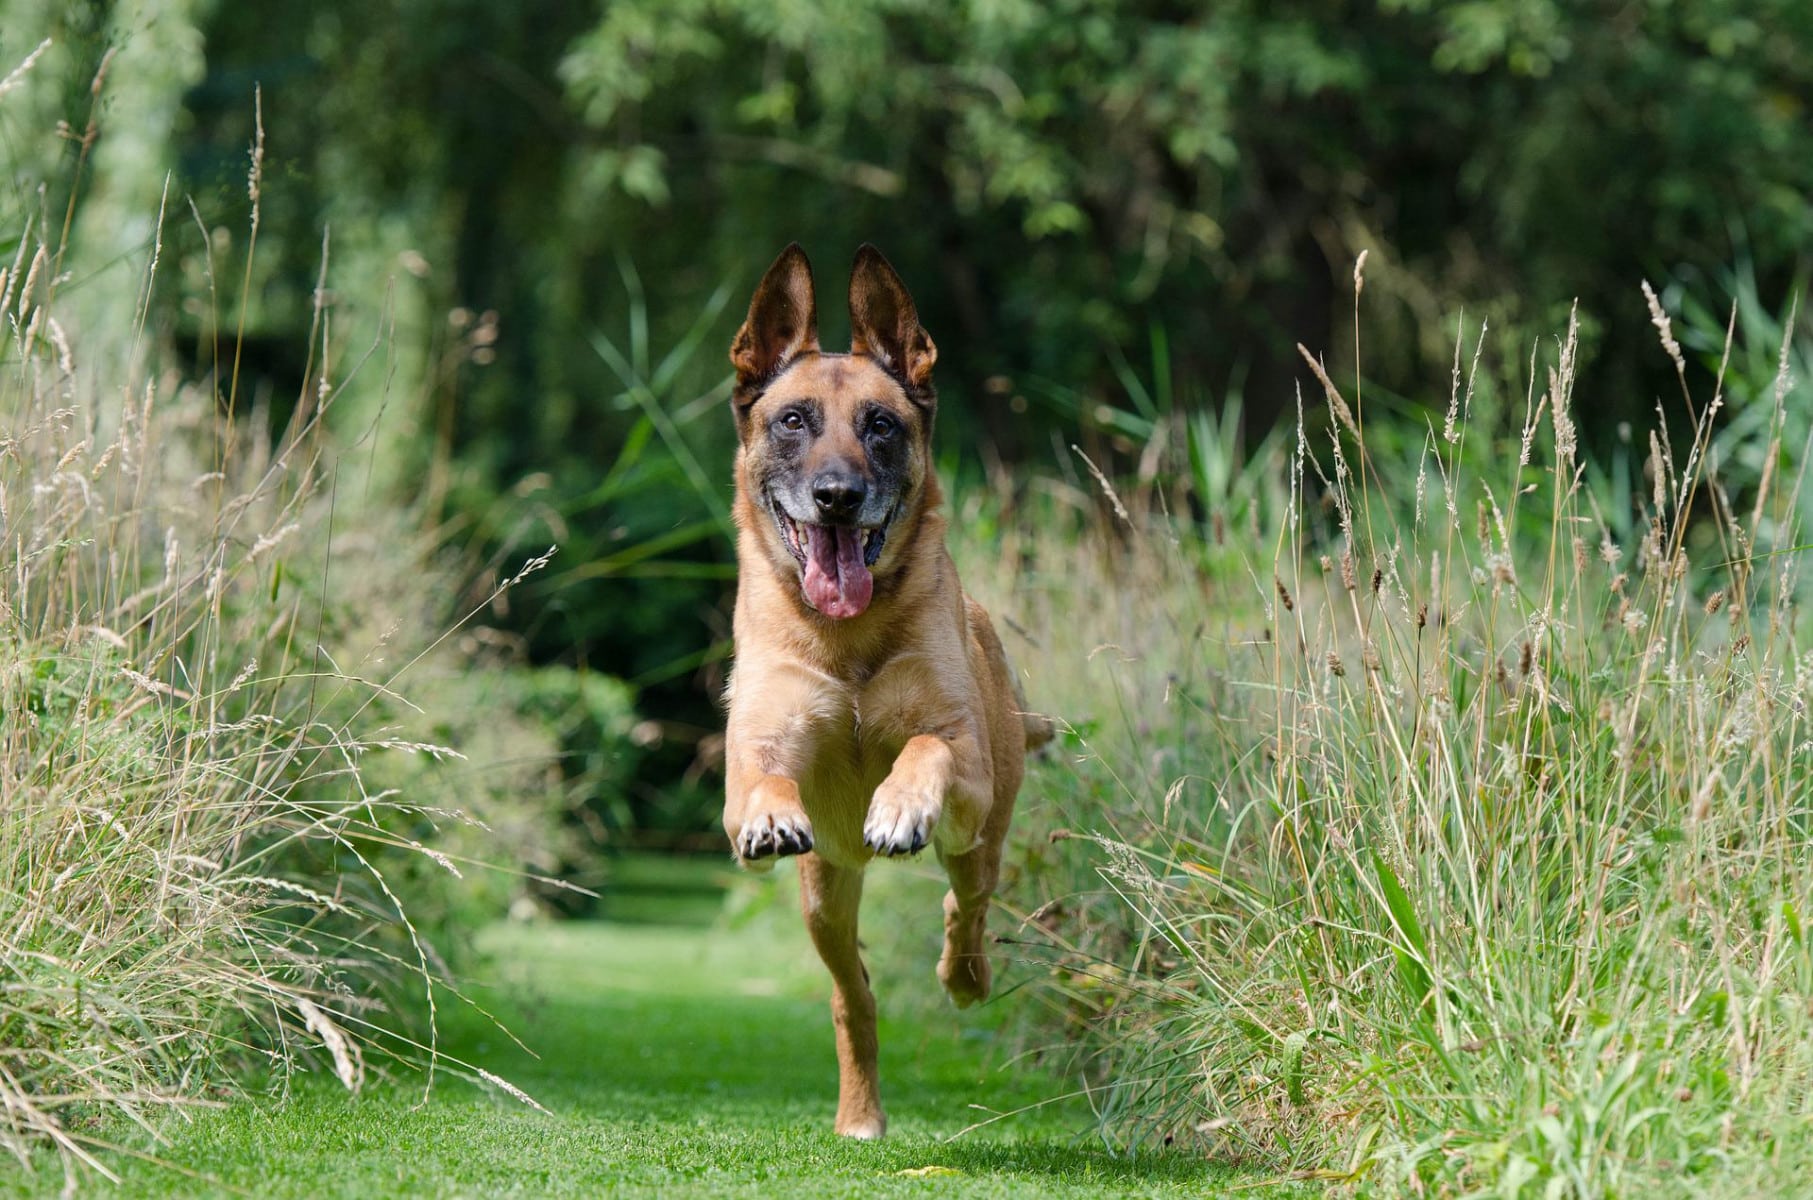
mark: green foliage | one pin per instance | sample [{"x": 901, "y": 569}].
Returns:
[
  {"x": 1056, "y": 182},
  {"x": 1440, "y": 843},
  {"x": 1086, "y": 168}
]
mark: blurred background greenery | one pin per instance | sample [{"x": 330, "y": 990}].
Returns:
[{"x": 530, "y": 228}]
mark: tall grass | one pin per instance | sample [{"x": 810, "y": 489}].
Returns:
[
  {"x": 1446, "y": 840},
  {"x": 210, "y": 859}
]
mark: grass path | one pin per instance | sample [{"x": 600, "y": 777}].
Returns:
[{"x": 675, "y": 1061}]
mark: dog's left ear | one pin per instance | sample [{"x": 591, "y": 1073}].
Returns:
[{"x": 883, "y": 322}]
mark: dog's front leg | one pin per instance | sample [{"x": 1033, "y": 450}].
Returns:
[
  {"x": 938, "y": 787},
  {"x": 769, "y": 739},
  {"x": 763, "y": 814},
  {"x": 764, "y": 818}
]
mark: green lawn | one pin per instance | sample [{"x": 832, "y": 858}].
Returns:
[{"x": 675, "y": 1059}]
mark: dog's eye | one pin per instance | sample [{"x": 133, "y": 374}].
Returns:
[
  {"x": 882, "y": 427},
  {"x": 792, "y": 421}
]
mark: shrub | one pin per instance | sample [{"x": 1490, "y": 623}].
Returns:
[
  {"x": 1447, "y": 839},
  {"x": 226, "y": 835}
]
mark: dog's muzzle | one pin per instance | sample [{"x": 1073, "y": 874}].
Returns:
[{"x": 834, "y": 560}]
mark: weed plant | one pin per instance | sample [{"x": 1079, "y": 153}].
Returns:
[
  {"x": 1450, "y": 834},
  {"x": 226, "y": 835}
]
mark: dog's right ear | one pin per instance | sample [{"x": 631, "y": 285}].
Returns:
[{"x": 782, "y": 324}]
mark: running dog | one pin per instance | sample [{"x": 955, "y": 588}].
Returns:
[{"x": 872, "y": 711}]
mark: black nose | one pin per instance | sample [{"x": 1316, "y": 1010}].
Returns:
[{"x": 838, "y": 496}]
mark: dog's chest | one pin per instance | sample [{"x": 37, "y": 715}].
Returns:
[{"x": 851, "y": 756}]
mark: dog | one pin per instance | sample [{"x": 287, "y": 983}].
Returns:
[{"x": 872, "y": 711}]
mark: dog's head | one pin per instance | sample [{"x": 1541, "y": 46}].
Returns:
[{"x": 835, "y": 447}]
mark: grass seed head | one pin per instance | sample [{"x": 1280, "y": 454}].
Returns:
[{"x": 1664, "y": 328}]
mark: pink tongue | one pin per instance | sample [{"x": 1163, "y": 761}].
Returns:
[{"x": 838, "y": 584}]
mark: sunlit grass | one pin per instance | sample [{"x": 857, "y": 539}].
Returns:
[{"x": 651, "y": 1046}]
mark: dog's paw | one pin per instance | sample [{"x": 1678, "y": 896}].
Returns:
[
  {"x": 864, "y": 1127},
  {"x": 966, "y": 977},
  {"x": 769, "y": 834},
  {"x": 901, "y": 817},
  {"x": 963, "y": 967}
]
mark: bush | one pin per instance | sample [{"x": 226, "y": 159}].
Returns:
[
  {"x": 226, "y": 835},
  {"x": 1447, "y": 839}
]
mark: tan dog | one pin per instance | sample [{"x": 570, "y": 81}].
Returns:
[{"x": 872, "y": 711}]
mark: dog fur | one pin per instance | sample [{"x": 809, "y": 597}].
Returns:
[{"x": 871, "y": 711}]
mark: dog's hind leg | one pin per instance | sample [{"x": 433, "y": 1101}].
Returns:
[
  {"x": 963, "y": 968},
  {"x": 830, "y": 896}
]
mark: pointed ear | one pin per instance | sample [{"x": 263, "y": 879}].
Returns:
[
  {"x": 782, "y": 322},
  {"x": 883, "y": 322}
]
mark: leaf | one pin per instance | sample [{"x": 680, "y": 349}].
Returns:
[
  {"x": 927, "y": 1172},
  {"x": 653, "y": 408},
  {"x": 1256, "y": 1032},
  {"x": 1412, "y": 961},
  {"x": 1294, "y": 1046},
  {"x": 1712, "y": 1008},
  {"x": 1397, "y": 900},
  {"x": 1414, "y": 975}
]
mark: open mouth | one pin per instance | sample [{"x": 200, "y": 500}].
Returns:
[{"x": 834, "y": 561}]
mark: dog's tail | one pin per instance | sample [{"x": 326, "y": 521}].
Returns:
[{"x": 1039, "y": 728}]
